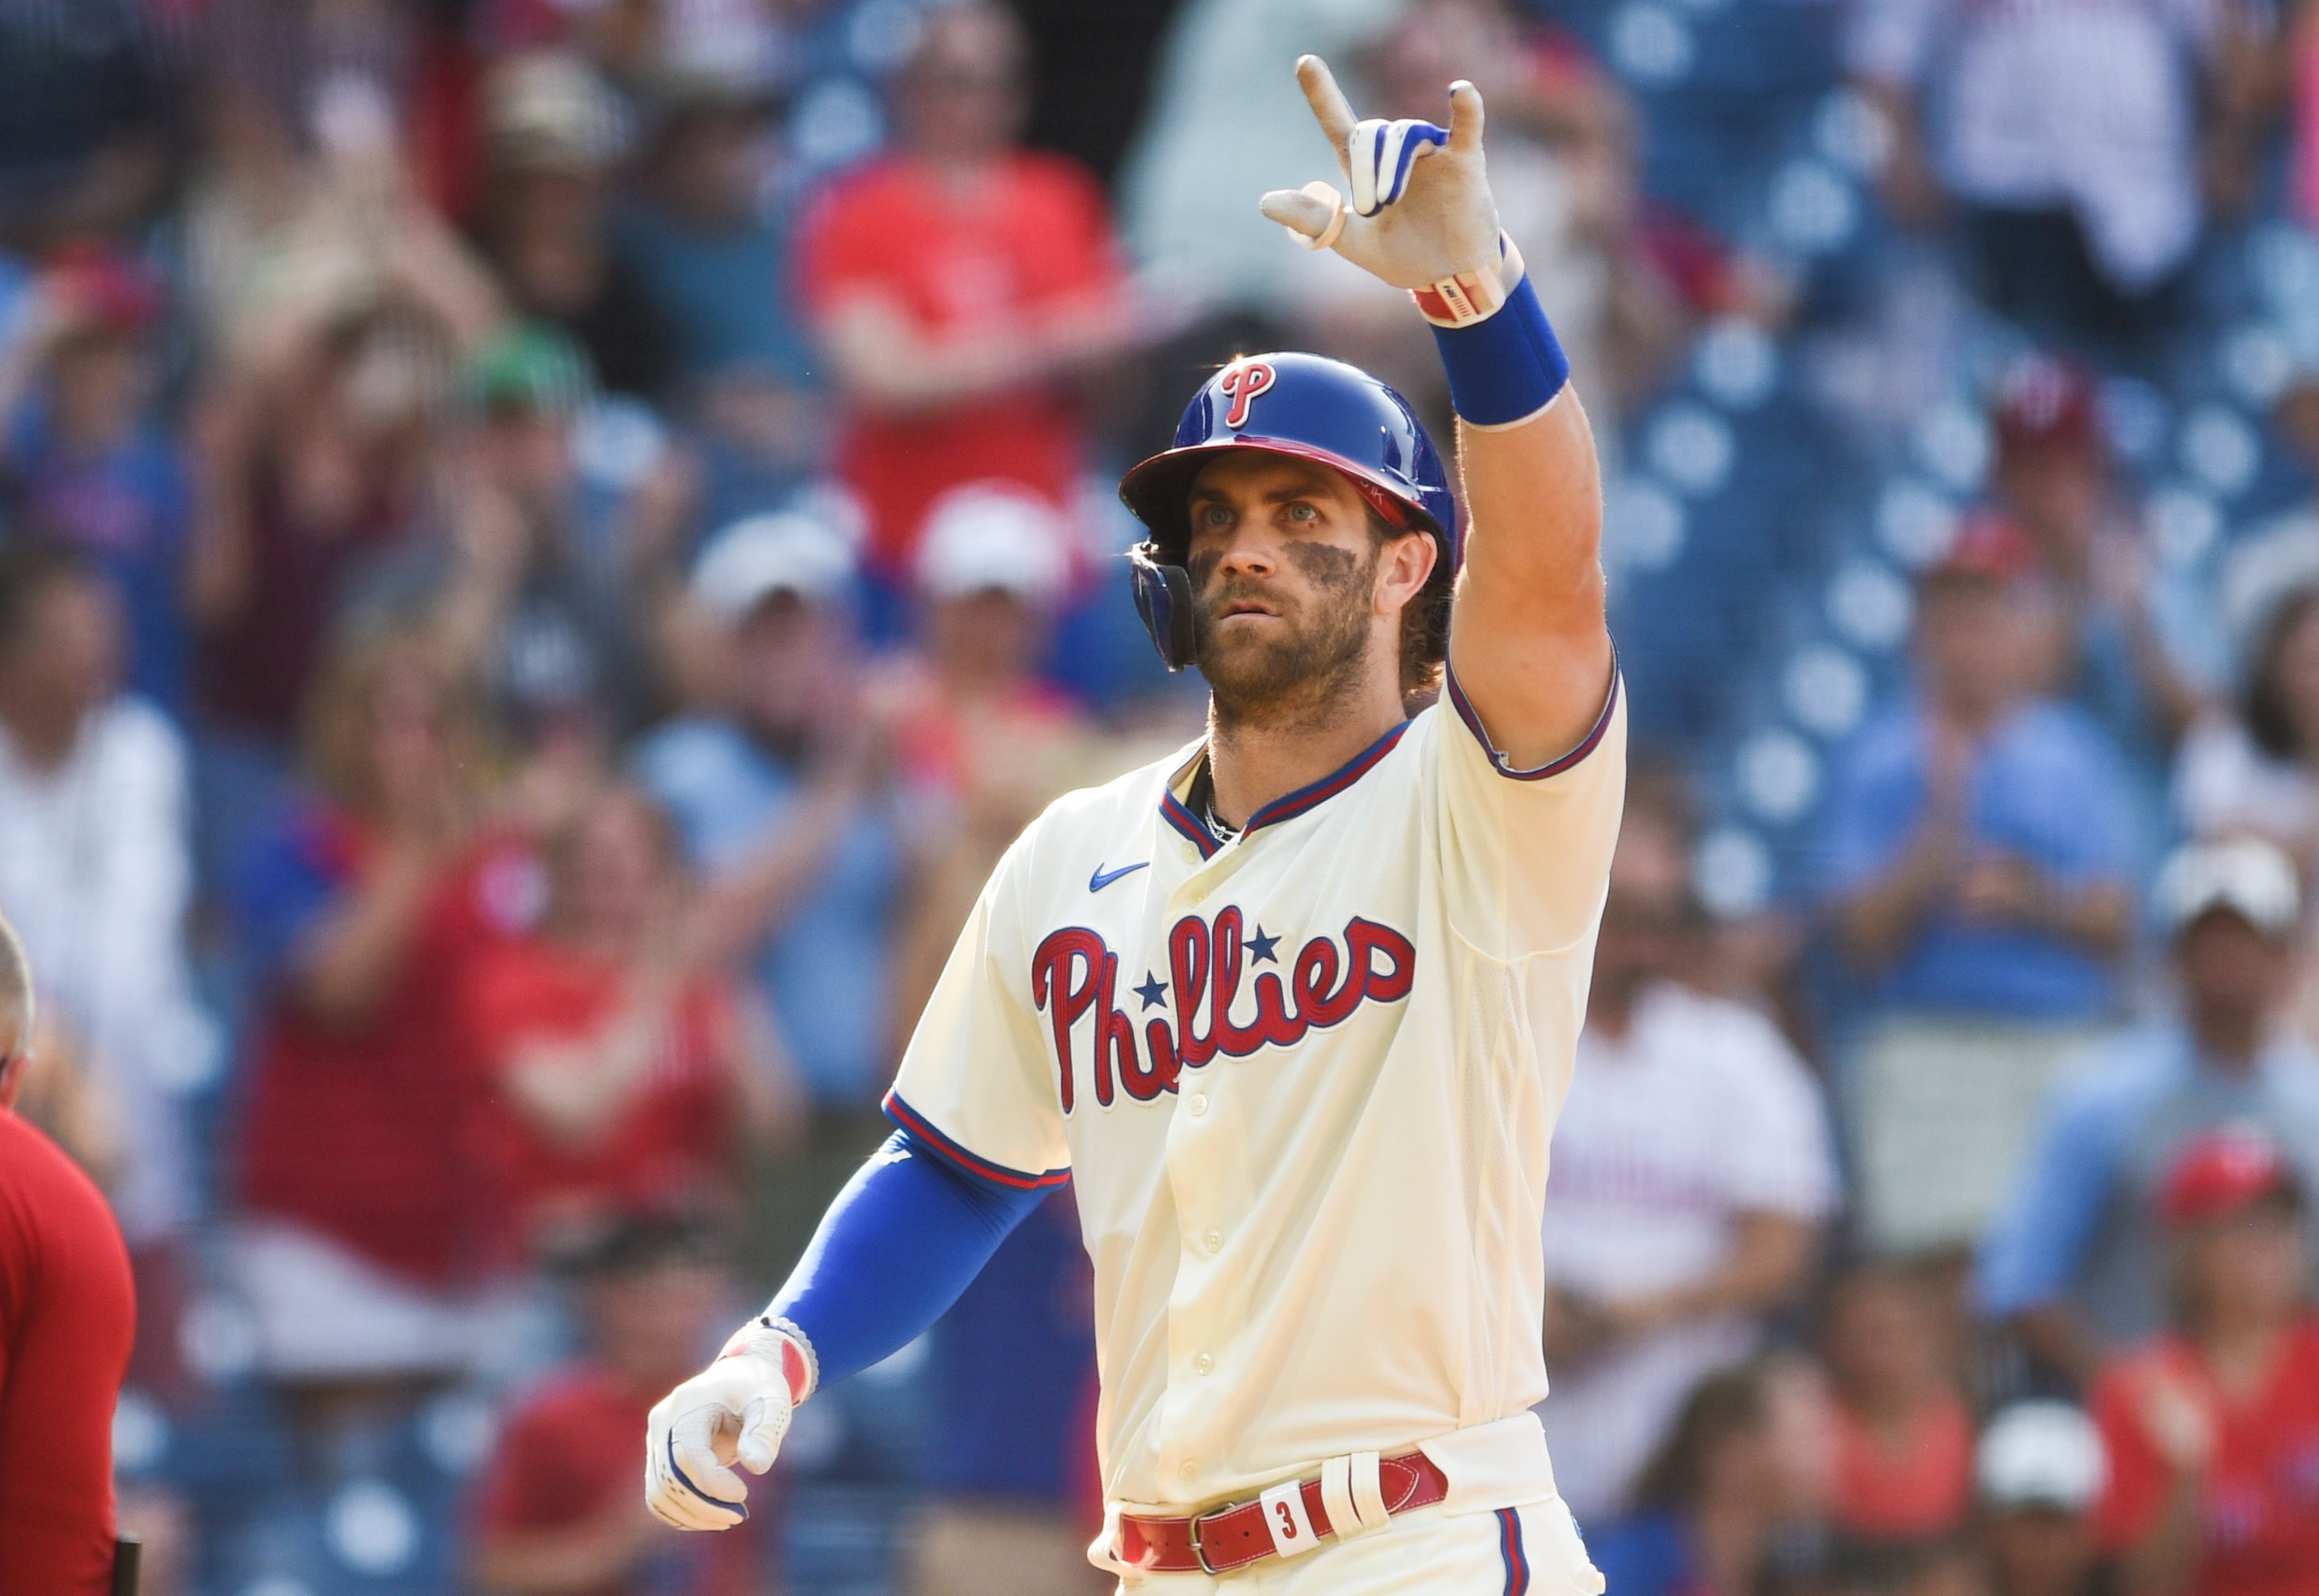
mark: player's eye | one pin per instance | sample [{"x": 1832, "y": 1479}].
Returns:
[
  {"x": 1216, "y": 515},
  {"x": 1303, "y": 513}
]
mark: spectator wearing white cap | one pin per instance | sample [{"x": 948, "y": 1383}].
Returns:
[
  {"x": 987, "y": 741},
  {"x": 2039, "y": 1469},
  {"x": 784, "y": 775},
  {"x": 2074, "y": 1259}
]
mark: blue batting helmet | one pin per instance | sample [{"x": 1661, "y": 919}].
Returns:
[{"x": 1300, "y": 405}]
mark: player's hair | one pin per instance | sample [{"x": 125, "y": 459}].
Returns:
[
  {"x": 15, "y": 995},
  {"x": 29, "y": 570},
  {"x": 1424, "y": 620}
]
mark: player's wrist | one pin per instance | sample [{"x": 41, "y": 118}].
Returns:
[
  {"x": 784, "y": 1350},
  {"x": 1469, "y": 297},
  {"x": 1503, "y": 362}
]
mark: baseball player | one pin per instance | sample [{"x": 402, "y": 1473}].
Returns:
[{"x": 1295, "y": 1008}]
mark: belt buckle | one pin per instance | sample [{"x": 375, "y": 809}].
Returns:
[{"x": 1199, "y": 1550}]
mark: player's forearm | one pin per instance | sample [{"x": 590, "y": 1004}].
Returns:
[
  {"x": 905, "y": 1237},
  {"x": 1525, "y": 449}
]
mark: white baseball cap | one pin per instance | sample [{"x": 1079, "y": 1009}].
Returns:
[
  {"x": 2041, "y": 1453},
  {"x": 758, "y": 556},
  {"x": 993, "y": 536},
  {"x": 2245, "y": 875}
]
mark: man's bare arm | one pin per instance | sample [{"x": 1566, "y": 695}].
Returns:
[{"x": 1530, "y": 645}]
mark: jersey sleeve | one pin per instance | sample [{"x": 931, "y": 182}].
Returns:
[
  {"x": 1526, "y": 853},
  {"x": 976, "y": 1086}
]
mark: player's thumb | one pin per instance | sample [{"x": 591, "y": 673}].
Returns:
[
  {"x": 1464, "y": 116},
  {"x": 692, "y": 1443},
  {"x": 1314, "y": 213},
  {"x": 762, "y": 1426}
]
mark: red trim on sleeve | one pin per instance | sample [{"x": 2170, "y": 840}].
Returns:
[{"x": 909, "y": 1119}]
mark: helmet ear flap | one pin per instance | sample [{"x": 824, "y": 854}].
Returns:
[{"x": 1163, "y": 597}]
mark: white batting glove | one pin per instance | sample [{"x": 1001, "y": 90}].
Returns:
[
  {"x": 1421, "y": 209},
  {"x": 734, "y": 1411}
]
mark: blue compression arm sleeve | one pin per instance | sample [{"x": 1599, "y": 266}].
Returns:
[{"x": 908, "y": 1233}]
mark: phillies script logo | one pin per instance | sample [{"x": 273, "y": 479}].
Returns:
[
  {"x": 1073, "y": 974},
  {"x": 1241, "y": 385}
]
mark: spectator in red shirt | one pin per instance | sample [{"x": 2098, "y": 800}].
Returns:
[
  {"x": 2213, "y": 1430},
  {"x": 1903, "y": 1437},
  {"x": 363, "y": 1232},
  {"x": 958, "y": 287},
  {"x": 67, "y": 1314},
  {"x": 558, "y": 1510},
  {"x": 623, "y": 1069}
]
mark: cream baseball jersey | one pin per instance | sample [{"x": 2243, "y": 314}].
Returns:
[{"x": 1303, "y": 1082}]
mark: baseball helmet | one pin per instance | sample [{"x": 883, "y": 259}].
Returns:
[{"x": 1301, "y": 405}]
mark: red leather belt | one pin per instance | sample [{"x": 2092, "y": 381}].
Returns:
[{"x": 1250, "y": 1531}]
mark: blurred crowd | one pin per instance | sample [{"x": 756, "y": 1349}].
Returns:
[{"x": 547, "y": 546}]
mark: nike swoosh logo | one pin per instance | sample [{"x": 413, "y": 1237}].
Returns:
[{"x": 1102, "y": 878}]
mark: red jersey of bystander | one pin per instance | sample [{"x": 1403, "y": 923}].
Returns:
[
  {"x": 1033, "y": 238},
  {"x": 566, "y": 1458},
  {"x": 368, "y": 1135},
  {"x": 1916, "y": 1491},
  {"x": 67, "y": 1314},
  {"x": 669, "y": 1145},
  {"x": 2259, "y": 1506}
]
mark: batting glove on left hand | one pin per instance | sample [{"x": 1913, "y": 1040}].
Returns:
[
  {"x": 1421, "y": 209},
  {"x": 734, "y": 1411}
]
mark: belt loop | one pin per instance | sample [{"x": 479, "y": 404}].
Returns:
[
  {"x": 1337, "y": 1498},
  {"x": 1368, "y": 1491}
]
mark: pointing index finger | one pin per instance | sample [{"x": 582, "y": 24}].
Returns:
[{"x": 1329, "y": 103}]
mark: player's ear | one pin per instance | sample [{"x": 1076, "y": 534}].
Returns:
[{"x": 1403, "y": 567}]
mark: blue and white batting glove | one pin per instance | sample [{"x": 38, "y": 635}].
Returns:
[
  {"x": 734, "y": 1411},
  {"x": 1420, "y": 212}
]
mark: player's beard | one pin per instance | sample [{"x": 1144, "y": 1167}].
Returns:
[{"x": 1298, "y": 671}]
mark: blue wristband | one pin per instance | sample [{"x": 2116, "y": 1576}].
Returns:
[{"x": 1507, "y": 367}]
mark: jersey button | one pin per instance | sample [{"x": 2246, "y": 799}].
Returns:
[
  {"x": 1216, "y": 1240},
  {"x": 1189, "y": 1467},
  {"x": 1204, "y": 1364},
  {"x": 1199, "y": 1105}
]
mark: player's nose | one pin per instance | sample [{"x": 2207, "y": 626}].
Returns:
[{"x": 1248, "y": 555}]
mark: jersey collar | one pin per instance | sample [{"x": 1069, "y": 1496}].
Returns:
[{"x": 1285, "y": 808}]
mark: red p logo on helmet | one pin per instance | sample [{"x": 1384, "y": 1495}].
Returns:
[{"x": 1241, "y": 385}]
